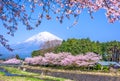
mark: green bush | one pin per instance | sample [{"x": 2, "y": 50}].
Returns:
[
  {"x": 105, "y": 68},
  {"x": 97, "y": 67},
  {"x": 36, "y": 53}
]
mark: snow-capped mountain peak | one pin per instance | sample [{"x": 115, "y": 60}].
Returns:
[
  {"x": 42, "y": 37},
  {"x": 26, "y": 47}
]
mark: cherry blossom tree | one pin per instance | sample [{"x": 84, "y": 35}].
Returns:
[
  {"x": 13, "y": 11},
  {"x": 12, "y": 61},
  {"x": 64, "y": 59}
]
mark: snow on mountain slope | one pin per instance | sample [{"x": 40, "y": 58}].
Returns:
[
  {"x": 42, "y": 37},
  {"x": 26, "y": 47},
  {"x": 34, "y": 42}
]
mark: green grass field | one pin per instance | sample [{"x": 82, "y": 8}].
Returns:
[{"x": 28, "y": 76}]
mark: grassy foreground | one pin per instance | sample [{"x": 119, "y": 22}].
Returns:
[{"x": 28, "y": 76}]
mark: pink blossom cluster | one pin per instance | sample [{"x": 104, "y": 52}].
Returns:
[
  {"x": 74, "y": 7},
  {"x": 64, "y": 59},
  {"x": 112, "y": 8},
  {"x": 38, "y": 60},
  {"x": 12, "y": 61}
]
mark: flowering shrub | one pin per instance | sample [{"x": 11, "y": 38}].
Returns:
[
  {"x": 12, "y": 61},
  {"x": 64, "y": 59}
]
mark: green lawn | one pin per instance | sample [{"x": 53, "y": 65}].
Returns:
[{"x": 28, "y": 76}]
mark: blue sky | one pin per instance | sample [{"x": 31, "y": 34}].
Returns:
[{"x": 96, "y": 29}]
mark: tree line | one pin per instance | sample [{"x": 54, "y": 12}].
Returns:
[{"x": 108, "y": 50}]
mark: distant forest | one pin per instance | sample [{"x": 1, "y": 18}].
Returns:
[{"x": 108, "y": 50}]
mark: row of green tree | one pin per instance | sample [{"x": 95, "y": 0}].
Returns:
[{"x": 81, "y": 46}]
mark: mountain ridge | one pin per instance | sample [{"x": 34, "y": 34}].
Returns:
[{"x": 33, "y": 43}]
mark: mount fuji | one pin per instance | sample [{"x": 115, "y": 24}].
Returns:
[
  {"x": 42, "y": 37},
  {"x": 25, "y": 48}
]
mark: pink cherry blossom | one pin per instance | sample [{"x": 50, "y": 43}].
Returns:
[
  {"x": 12, "y": 61},
  {"x": 64, "y": 59}
]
